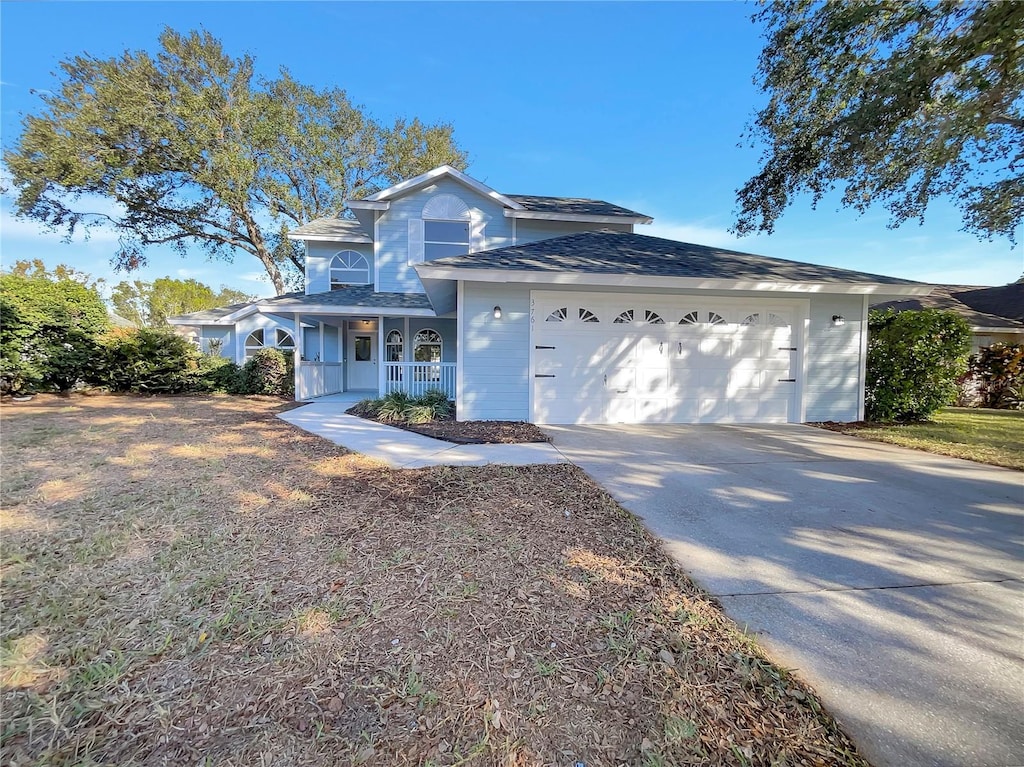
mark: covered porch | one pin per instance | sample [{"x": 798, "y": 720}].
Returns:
[{"x": 353, "y": 357}]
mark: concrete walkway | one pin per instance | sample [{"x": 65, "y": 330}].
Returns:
[
  {"x": 404, "y": 449},
  {"x": 890, "y": 579}
]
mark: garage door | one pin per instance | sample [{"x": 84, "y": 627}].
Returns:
[{"x": 599, "y": 358}]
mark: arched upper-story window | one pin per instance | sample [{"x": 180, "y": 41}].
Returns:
[
  {"x": 394, "y": 346},
  {"x": 446, "y": 227},
  {"x": 349, "y": 268},
  {"x": 266, "y": 338},
  {"x": 426, "y": 346}
]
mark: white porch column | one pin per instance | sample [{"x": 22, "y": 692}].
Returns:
[
  {"x": 321, "y": 337},
  {"x": 381, "y": 371},
  {"x": 298, "y": 351}
]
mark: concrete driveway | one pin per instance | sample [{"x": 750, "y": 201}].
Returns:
[{"x": 890, "y": 579}]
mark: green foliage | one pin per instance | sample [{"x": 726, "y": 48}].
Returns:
[
  {"x": 197, "y": 152},
  {"x": 999, "y": 372},
  {"x": 392, "y": 406},
  {"x": 268, "y": 371},
  {"x": 217, "y": 374},
  {"x": 901, "y": 101},
  {"x": 914, "y": 360},
  {"x": 149, "y": 304},
  {"x": 147, "y": 361},
  {"x": 49, "y": 326},
  {"x": 399, "y": 407}
]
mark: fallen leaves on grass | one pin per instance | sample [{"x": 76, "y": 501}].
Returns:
[{"x": 298, "y": 604}]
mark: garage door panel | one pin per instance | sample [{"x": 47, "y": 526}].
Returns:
[
  {"x": 719, "y": 360},
  {"x": 622, "y": 410},
  {"x": 775, "y": 411},
  {"x": 653, "y": 381},
  {"x": 653, "y": 410}
]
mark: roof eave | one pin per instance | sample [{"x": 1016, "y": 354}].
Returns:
[
  {"x": 441, "y": 171},
  {"x": 196, "y": 321},
  {"x": 332, "y": 309},
  {"x": 580, "y": 217},
  {"x": 367, "y": 205},
  {"x": 364, "y": 239},
  {"x": 471, "y": 274}
]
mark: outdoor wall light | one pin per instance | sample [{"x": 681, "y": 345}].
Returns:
[
  {"x": 837, "y": 320},
  {"x": 497, "y": 312}
]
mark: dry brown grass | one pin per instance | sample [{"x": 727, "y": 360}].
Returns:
[{"x": 193, "y": 581}]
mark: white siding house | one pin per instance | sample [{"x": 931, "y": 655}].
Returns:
[{"x": 554, "y": 310}]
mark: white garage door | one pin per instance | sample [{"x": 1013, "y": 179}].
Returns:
[{"x": 599, "y": 358}]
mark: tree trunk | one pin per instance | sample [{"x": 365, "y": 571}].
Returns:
[{"x": 263, "y": 253}]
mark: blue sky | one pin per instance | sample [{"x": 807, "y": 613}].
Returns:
[{"x": 640, "y": 104}]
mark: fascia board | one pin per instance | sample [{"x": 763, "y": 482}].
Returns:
[
  {"x": 358, "y": 310},
  {"x": 432, "y": 175},
  {"x": 363, "y": 240},
  {"x": 578, "y": 217},
  {"x": 367, "y": 204},
  {"x": 685, "y": 283}
]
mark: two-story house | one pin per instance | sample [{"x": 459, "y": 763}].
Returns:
[{"x": 553, "y": 310}]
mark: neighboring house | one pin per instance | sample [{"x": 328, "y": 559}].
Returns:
[
  {"x": 996, "y": 315},
  {"x": 117, "y": 321},
  {"x": 553, "y": 310}
]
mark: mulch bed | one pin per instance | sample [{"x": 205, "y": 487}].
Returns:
[{"x": 470, "y": 432}]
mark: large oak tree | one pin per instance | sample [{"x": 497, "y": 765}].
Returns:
[
  {"x": 194, "y": 150},
  {"x": 897, "y": 102}
]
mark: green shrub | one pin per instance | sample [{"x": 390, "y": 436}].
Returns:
[
  {"x": 49, "y": 331},
  {"x": 998, "y": 373},
  {"x": 217, "y": 374},
  {"x": 147, "y": 361},
  {"x": 437, "y": 400},
  {"x": 399, "y": 407},
  {"x": 268, "y": 371},
  {"x": 365, "y": 408},
  {"x": 392, "y": 406},
  {"x": 914, "y": 361}
]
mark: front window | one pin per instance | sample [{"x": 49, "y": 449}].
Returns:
[
  {"x": 445, "y": 238},
  {"x": 427, "y": 346},
  {"x": 394, "y": 346},
  {"x": 349, "y": 268},
  {"x": 268, "y": 339}
]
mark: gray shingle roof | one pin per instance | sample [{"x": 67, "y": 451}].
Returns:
[
  {"x": 209, "y": 315},
  {"x": 341, "y": 229},
  {"x": 572, "y": 205},
  {"x": 609, "y": 252},
  {"x": 982, "y": 307},
  {"x": 354, "y": 295}
]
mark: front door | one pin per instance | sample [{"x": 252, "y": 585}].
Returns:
[{"x": 362, "y": 360}]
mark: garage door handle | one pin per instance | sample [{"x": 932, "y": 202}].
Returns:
[
  {"x": 543, "y": 347},
  {"x": 543, "y": 375},
  {"x": 787, "y": 380},
  {"x": 622, "y": 391},
  {"x": 787, "y": 348}
]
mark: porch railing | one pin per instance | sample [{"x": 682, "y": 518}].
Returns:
[
  {"x": 315, "y": 379},
  {"x": 415, "y": 378}
]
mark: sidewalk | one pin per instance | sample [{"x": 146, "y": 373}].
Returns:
[{"x": 403, "y": 449}]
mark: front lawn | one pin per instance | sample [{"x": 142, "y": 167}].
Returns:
[
  {"x": 987, "y": 436},
  {"x": 194, "y": 581}
]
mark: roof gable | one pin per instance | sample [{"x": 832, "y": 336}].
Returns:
[{"x": 443, "y": 171}]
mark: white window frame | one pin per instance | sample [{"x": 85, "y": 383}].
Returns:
[
  {"x": 252, "y": 347},
  {"x": 390, "y": 343},
  {"x": 428, "y": 242},
  {"x": 345, "y": 261},
  {"x": 418, "y": 342}
]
